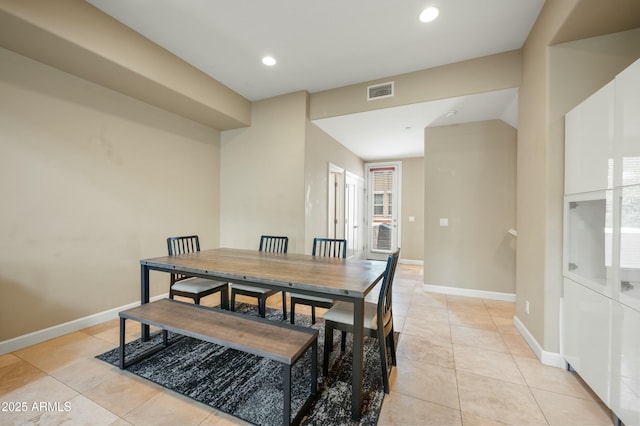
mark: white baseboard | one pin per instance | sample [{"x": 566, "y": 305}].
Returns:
[
  {"x": 40, "y": 336},
  {"x": 483, "y": 294},
  {"x": 411, "y": 262},
  {"x": 552, "y": 359}
]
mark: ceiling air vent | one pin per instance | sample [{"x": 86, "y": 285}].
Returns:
[{"x": 379, "y": 91}]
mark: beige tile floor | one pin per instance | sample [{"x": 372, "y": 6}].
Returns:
[{"x": 460, "y": 362}]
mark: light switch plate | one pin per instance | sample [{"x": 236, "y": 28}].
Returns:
[{"x": 444, "y": 221}]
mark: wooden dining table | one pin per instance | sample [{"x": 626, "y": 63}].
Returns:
[{"x": 348, "y": 280}]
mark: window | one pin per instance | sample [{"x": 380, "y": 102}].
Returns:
[{"x": 378, "y": 204}]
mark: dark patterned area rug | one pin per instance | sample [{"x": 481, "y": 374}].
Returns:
[{"x": 249, "y": 387}]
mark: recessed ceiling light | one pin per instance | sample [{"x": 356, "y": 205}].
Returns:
[
  {"x": 429, "y": 14},
  {"x": 451, "y": 113},
  {"x": 269, "y": 61}
]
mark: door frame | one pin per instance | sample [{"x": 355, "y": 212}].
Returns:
[
  {"x": 335, "y": 202},
  {"x": 396, "y": 209}
]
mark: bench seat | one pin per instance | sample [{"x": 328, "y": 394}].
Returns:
[{"x": 279, "y": 342}]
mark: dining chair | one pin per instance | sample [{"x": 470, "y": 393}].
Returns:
[
  {"x": 328, "y": 247},
  {"x": 193, "y": 287},
  {"x": 272, "y": 244},
  {"x": 378, "y": 323}
]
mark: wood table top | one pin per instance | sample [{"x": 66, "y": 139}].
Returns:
[{"x": 322, "y": 275}]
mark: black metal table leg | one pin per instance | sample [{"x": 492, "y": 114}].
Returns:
[
  {"x": 144, "y": 297},
  {"x": 122, "y": 333},
  {"x": 286, "y": 386},
  {"x": 314, "y": 368},
  {"x": 358, "y": 352}
]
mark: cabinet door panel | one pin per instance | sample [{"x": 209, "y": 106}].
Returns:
[
  {"x": 588, "y": 240},
  {"x": 630, "y": 247},
  {"x": 589, "y": 143},
  {"x": 587, "y": 332},
  {"x": 625, "y": 364},
  {"x": 627, "y": 126}
]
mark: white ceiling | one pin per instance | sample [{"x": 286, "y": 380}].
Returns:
[{"x": 326, "y": 44}]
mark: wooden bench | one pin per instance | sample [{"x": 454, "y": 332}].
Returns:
[{"x": 279, "y": 342}]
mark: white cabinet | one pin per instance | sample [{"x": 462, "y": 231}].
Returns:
[
  {"x": 601, "y": 315},
  {"x": 589, "y": 143}
]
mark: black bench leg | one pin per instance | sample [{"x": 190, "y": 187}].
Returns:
[
  {"x": 122, "y": 332},
  {"x": 328, "y": 346},
  {"x": 224, "y": 298},
  {"x": 286, "y": 385},
  {"x": 262, "y": 307},
  {"x": 314, "y": 368},
  {"x": 232, "y": 305},
  {"x": 284, "y": 305}
]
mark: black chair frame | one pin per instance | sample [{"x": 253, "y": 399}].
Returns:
[
  {"x": 190, "y": 244},
  {"x": 384, "y": 331},
  {"x": 273, "y": 244},
  {"x": 329, "y": 247}
]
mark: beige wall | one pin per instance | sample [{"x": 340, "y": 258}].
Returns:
[
  {"x": 320, "y": 150},
  {"x": 91, "y": 182},
  {"x": 532, "y": 170},
  {"x": 412, "y": 233},
  {"x": 262, "y": 175},
  {"x": 275, "y": 175},
  {"x": 470, "y": 178}
]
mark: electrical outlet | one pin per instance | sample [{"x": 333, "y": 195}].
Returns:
[{"x": 526, "y": 306}]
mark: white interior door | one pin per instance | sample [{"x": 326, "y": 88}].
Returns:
[
  {"x": 354, "y": 215},
  {"x": 383, "y": 206}
]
